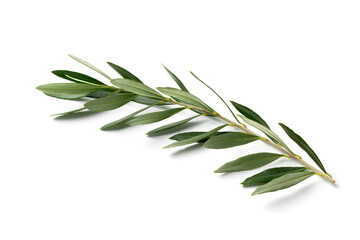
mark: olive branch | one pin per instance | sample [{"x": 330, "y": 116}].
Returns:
[{"x": 130, "y": 88}]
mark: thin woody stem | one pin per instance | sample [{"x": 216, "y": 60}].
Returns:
[{"x": 245, "y": 129}]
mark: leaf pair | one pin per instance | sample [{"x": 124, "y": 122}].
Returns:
[
  {"x": 196, "y": 138},
  {"x": 77, "y": 77},
  {"x": 72, "y": 91},
  {"x": 123, "y": 72},
  {"x": 68, "y": 90},
  {"x": 285, "y": 181},
  {"x": 137, "y": 88},
  {"x": 270, "y": 174},
  {"x": 170, "y": 126},
  {"x": 122, "y": 121},
  {"x": 147, "y": 118},
  {"x": 184, "y": 93},
  {"x": 217, "y": 140},
  {"x": 184, "y": 97},
  {"x": 84, "y": 79},
  {"x": 154, "y": 116},
  {"x": 186, "y": 135}
]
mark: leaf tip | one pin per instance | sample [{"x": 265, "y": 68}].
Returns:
[
  {"x": 194, "y": 75},
  {"x": 167, "y": 146}
]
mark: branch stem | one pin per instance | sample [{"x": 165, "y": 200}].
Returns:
[{"x": 245, "y": 129}]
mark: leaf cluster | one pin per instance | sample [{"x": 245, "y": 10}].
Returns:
[{"x": 129, "y": 88}]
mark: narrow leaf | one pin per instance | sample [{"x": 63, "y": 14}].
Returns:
[
  {"x": 270, "y": 174},
  {"x": 230, "y": 140},
  {"x": 122, "y": 122},
  {"x": 148, "y": 101},
  {"x": 184, "y": 97},
  {"x": 67, "y": 90},
  {"x": 249, "y": 162},
  {"x": 186, "y": 135},
  {"x": 123, "y": 72},
  {"x": 275, "y": 138},
  {"x": 177, "y": 80},
  {"x": 110, "y": 102},
  {"x": 101, "y": 93},
  {"x": 195, "y": 138},
  {"x": 301, "y": 142},
  {"x": 170, "y": 126},
  {"x": 136, "y": 87},
  {"x": 69, "y": 112},
  {"x": 250, "y": 114},
  {"x": 154, "y": 116},
  {"x": 216, "y": 95},
  {"x": 90, "y": 66},
  {"x": 283, "y": 182},
  {"x": 76, "y": 77}
]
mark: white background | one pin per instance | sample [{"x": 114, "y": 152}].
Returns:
[{"x": 295, "y": 62}]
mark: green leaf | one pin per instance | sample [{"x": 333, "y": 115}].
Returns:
[
  {"x": 154, "y": 116},
  {"x": 110, "y": 102},
  {"x": 177, "y": 80},
  {"x": 170, "y": 126},
  {"x": 230, "y": 140},
  {"x": 195, "y": 138},
  {"x": 122, "y": 122},
  {"x": 275, "y": 138},
  {"x": 283, "y": 182},
  {"x": 148, "y": 101},
  {"x": 67, "y": 90},
  {"x": 216, "y": 95},
  {"x": 89, "y": 65},
  {"x": 101, "y": 93},
  {"x": 123, "y": 72},
  {"x": 250, "y": 114},
  {"x": 301, "y": 142},
  {"x": 270, "y": 174},
  {"x": 76, "y": 77},
  {"x": 186, "y": 135},
  {"x": 69, "y": 112},
  {"x": 184, "y": 97},
  {"x": 249, "y": 162},
  {"x": 136, "y": 87}
]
